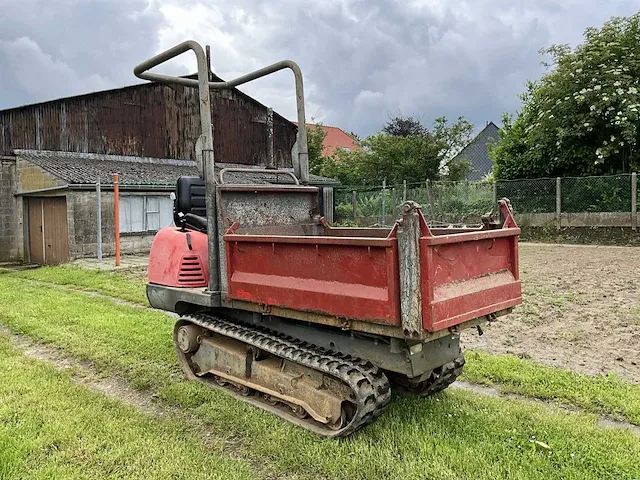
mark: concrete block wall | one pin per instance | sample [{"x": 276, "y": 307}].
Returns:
[
  {"x": 82, "y": 208},
  {"x": 32, "y": 177},
  {"x": 10, "y": 227}
]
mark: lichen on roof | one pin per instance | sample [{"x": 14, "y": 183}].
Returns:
[{"x": 88, "y": 168}]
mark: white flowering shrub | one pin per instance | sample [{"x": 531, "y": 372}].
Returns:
[{"x": 582, "y": 117}]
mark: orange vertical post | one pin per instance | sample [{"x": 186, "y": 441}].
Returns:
[{"x": 116, "y": 207}]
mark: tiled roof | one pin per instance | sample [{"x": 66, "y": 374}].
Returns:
[
  {"x": 87, "y": 168},
  {"x": 335, "y": 138},
  {"x": 477, "y": 152}
]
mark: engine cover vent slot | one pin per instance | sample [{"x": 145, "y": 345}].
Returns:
[{"x": 191, "y": 272}]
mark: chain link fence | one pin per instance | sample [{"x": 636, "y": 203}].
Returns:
[
  {"x": 442, "y": 202},
  {"x": 596, "y": 194},
  {"x": 576, "y": 201},
  {"x": 529, "y": 195}
]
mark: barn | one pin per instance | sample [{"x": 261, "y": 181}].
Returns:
[{"x": 52, "y": 154}]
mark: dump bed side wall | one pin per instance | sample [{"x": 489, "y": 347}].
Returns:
[
  {"x": 466, "y": 276},
  {"x": 351, "y": 278}
]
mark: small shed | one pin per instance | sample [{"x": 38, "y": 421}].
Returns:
[{"x": 53, "y": 201}]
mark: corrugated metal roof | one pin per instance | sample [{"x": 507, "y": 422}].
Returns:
[
  {"x": 143, "y": 84},
  {"x": 87, "y": 168}
]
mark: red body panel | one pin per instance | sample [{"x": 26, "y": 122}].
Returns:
[
  {"x": 173, "y": 263},
  {"x": 346, "y": 277},
  {"x": 462, "y": 275},
  {"x": 468, "y": 275}
]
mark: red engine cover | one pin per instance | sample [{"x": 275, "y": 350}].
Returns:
[{"x": 173, "y": 263}]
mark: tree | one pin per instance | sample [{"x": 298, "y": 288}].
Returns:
[
  {"x": 386, "y": 157},
  {"x": 455, "y": 136},
  {"x": 407, "y": 156},
  {"x": 315, "y": 139},
  {"x": 581, "y": 117},
  {"x": 458, "y": 170},
  {"x": 401, "y": 126}
]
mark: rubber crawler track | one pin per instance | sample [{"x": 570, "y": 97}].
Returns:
[{"x": 370, "y": 385}]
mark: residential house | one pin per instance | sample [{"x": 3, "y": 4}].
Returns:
[{"x": 477, "y": 152}]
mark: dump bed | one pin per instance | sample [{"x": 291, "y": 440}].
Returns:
[{"x": 412, "y": 278}]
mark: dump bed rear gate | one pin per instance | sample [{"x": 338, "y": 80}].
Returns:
[{"x": 468, "y": 275}]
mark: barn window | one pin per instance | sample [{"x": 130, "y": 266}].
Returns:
[{"x": 145, "y": 213}]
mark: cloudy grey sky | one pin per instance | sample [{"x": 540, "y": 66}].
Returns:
[{"x": 362, "y": 59}]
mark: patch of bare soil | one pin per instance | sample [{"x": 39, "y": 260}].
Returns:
[
  {"x": 581, "y": 310},
  {"x": 138, "y": 273}
]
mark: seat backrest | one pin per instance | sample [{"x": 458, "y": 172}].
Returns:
[{"x": 190, "y": 198}]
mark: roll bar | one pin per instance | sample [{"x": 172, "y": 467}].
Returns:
[{"x": 300, "y": 164}]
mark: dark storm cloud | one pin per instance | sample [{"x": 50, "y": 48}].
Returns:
[
  {"x": 362, "y": 59},
  {"x": 52, "y": 48}
]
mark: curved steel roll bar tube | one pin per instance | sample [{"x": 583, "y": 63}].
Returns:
[
  {"x": 206, "y": 160},
  {"x": 257, "y": 170},
  {"x": 206, "y": 164},
  {"x": 300, "y": 164}
]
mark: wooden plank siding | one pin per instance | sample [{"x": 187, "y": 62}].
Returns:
[{"x": 149, "y": 120}]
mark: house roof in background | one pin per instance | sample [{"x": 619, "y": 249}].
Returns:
[
  {"x": 477, "y": 151},
  {"x": 87, "y": 168},
  {"x": 335, "y": 138}
]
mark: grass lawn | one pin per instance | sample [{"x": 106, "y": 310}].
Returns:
[
  {"x": 453, "y": 435},
  {"x": 600, "y": 393},
  {"x": 116, "y": 283},
  {"x": 52, "y": 428}
]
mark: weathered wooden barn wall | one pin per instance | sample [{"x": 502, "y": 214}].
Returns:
[{"x": 150, "y": 120}]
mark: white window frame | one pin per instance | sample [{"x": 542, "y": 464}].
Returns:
[{"x": 146, "y": 212}]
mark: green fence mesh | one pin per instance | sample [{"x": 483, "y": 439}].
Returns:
[
  {"x": 529, "y": 195},
  {"x": 596, "y": 194},
  {"x": 465, "y": 202}
]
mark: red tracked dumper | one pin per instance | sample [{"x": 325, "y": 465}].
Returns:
[{"x": 311, "y": 322}]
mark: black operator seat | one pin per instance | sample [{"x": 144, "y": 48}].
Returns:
[{"x": 189, "y": 207}]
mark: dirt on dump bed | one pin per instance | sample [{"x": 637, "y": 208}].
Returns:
[{"x": 581, "y": 310}]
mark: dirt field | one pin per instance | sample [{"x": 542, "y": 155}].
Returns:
[{"x": 581, "y": 310}]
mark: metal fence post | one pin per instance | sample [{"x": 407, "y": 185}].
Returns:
[
  {"x": 116, "y": 216},
  {"x": 634, "y": 201},
  {"x": 394, "y": 202},
  {"x": 384, "y": 201},
  {"x": 430, "y": 197},
  {"x": 558, "y": 201},
  {"x": 99, "y": 221},
  {"x": 404, "y": 191},
  {"x": 495, "y": 193},
  {"x": 327, "y": 199},
  {"x": 354, "y": 204}
]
